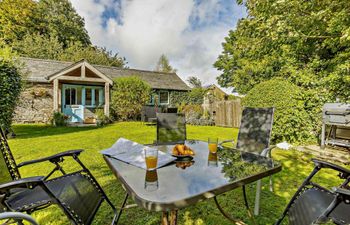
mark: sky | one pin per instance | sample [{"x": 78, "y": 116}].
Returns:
[{"x": 188, "y": 32}]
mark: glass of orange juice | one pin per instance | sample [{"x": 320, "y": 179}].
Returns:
[
  {"x": 213, "y": 144},
  {"x": 151, "y": 180},
  {"x": 151, "y": 158}
]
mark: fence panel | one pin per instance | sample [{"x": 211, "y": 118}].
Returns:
[{"x": 228, "y": 113}]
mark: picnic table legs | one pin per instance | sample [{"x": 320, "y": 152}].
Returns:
[{"x": 169, "y": 218}]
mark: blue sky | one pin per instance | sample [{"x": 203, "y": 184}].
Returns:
[{"x": 188, "y": 32}]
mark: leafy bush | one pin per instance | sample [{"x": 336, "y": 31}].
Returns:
[
  {"x": 129, "y": 94},
  {"x": 101, "y": 118},
  {"x": 10, "y": 89},
  {"x": 292, "y": 123},
  {"x": 59, "y": 119},
  {"x": 193, "y": 97}
]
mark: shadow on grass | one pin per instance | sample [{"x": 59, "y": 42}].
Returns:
[{"x": 24, "y": 131}]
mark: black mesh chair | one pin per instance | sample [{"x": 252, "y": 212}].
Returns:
[
  {"x": 78, "y": 194},
  {"x": 314, "y": 204},
  {"x": 148, "y": 114},
  {"x": 254, "y": 136},
  {"x": 171, "y": 128},
  {"x": 16, "y": 217}
]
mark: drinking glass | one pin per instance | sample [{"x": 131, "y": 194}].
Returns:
[
  {"x": 151, "y": 180},
  {"x": 213, "y": 144},
  {"x": 213, "y": 160},
  {"x": 151, "y": 158}
]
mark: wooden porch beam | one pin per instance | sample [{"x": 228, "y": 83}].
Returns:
[
  {"x": 82, "y": 70},
  {"x": 107, "y": 96},
  {"x": 55, "y": 95},
  {"x": 89, "y": 79}
]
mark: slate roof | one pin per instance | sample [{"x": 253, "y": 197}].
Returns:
[{"x": 38, "y": 70}]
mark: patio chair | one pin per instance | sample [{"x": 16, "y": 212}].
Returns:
[
  {"x": 16, "y": 217},
  {"x": 171, "y": 128},
  {"x": 78, "y": 194},
  {"x": 254, "y": 136},
  {"x": 314, "y": 204}
]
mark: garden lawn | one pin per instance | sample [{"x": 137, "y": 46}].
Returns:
[{"x": 35, "y": 141}]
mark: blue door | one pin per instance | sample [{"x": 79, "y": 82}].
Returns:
[{"x": 72, "y": 103}]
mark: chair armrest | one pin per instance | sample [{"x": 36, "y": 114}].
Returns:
[
  {"x": 324, "y": 164},
  {"x": 53, "y": 158},
  {"x": 22, "y": 183},
  {"x": 17, "y": 216},
  {"x": 267, "y": 151},
  {"x": 342, "y": 191},
  {"x": 227, "y": 141}
]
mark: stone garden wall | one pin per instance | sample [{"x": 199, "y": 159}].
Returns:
[{"x": 35, "y": 104}]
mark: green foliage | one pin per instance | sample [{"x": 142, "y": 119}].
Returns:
[
  {"x": 101, "y": 118},
  {"x": 163, "y": 65},
  {"x": 55, "y": 18},
  {"x": 38, "y": 46},
  {"x": 129, "y": 94},
  {"x": 196, "y": 95},
  {"x": 59, "y": 119},
  {"x": 10, "y": 86},
  {"x": 17, "y": 18},
  {"x": 94, "y": 55},
  {"x": 309, "y": 44},
  {"x": 194, "y": 82},
  {"x": 59, "y": 19},
  {"x": 292, "y": 123},
  {"x": 50, "y": 29}
]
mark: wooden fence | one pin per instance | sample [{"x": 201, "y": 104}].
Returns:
[{"x": 228, "y": 113}]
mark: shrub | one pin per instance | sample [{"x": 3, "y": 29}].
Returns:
[
  {"x": 10, "y": 89},
  {"x": 292, "y": 123},
  {"x": 129, "y": 94},
  {"x": 101, "y": 118},
  {"x": 59, "y": 119}
]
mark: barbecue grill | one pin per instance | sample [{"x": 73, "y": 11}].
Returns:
[{"x": 336, "y": 125}]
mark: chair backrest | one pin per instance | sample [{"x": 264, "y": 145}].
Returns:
[
  {"x": 255, "y": 129},
  {"x": 171, "y": 127},
  {"x": 8, "y": 167},
  {"x": 149, "y": 111}
]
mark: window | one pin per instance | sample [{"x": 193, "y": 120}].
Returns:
[
  {"x": 88, "y": 96},
  {"x": 70, "y": 96},
  {"x": 164, "y": 97}
]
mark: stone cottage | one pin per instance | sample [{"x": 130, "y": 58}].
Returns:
[{"x": 78, "y": 88}]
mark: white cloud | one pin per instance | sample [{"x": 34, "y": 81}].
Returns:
[{"x": 188, "y": 33}]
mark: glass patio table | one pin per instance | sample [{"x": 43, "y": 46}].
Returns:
[{"x": 180, "y": 184}]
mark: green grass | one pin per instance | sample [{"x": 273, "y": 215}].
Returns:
[{"x": 35, "y": 141}]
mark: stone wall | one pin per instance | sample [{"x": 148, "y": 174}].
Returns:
[{"x": 35, "y": 104}]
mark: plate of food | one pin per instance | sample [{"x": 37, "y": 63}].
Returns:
[{"x": 182, "y": 151}]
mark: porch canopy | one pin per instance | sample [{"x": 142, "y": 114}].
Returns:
[{"x": 79, "y": 87}]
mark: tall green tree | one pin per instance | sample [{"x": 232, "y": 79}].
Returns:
[
  {"x": 56, "y": 18},
  {"x": 163, "y": 65},
  {"x": 95, "y": 55},
  {"x": 306, "y": 42},
  {"x": 17, "y": 18},
  {"x": 61, "y": 20},
  {"x": 194, "y": 82}
]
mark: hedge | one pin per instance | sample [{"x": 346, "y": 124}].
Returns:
[{"x": 292, "y": 123}]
